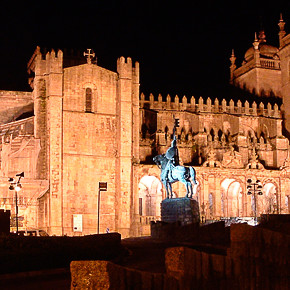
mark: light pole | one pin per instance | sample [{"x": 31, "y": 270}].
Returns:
[
  {"x": 16, "y": 186},
  {"x": 254, "y": 188},
  {"x": 102, "y": 187}
]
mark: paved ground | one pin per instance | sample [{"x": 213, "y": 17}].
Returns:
[
  {"x": 145, "y": 254},
  {"x": 54, "y": 279}
]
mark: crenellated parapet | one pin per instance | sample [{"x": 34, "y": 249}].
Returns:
[
  {"x": 43, "y": 63},
  {"x": 199, "y": 106}
]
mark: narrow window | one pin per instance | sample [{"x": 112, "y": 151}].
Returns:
[
  {"x": 140, "y": 206},
  {"x": 88, "y": 100}
]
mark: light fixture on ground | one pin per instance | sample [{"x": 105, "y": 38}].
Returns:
[
  {"x": 16, "y": 186},
  {"x": 254, "y": 188}
]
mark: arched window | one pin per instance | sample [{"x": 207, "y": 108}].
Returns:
[{"x": 88, "y": 100}]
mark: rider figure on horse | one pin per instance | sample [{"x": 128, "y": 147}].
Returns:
[{"x": 173, "y": 158}]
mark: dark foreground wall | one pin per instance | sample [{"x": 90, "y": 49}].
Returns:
[
  {"x": 215, "y": 233},
  {"x": 18, "y": 254},
  {"x": 256, "y": 259}
]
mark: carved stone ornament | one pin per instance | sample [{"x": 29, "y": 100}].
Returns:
[
  {"x": 232, "y": 159},
  {"x": 211, "y": 159},
  {"x": 254, "y": 162}
]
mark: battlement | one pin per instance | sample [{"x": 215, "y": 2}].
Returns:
[
  {"x": 45, "y": 62},
  {"x": 216, "y": 107},
  {"x": 125, "y": 68},
  {"x": 54, "y": 61}
]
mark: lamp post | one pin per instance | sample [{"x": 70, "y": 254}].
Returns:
[
  {"x": 254, "y": 188},
  {"x": 102, "y": 187},
  {"x": 16, "y": 186}
]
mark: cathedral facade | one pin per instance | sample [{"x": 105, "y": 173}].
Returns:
[{"x": 83, "y": 125}]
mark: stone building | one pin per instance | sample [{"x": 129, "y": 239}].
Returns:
[{"x": 82, "y": 124}]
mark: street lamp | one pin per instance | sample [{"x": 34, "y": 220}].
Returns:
[
  {"x": 16, "y": 186},
  {"x": 254, "y": 188}
]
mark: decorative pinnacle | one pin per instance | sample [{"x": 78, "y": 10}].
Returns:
[
  {"x": 233, "y": 57},
  {"x": 256, "y": 42},
  {"x": 89, "y": 55},
  {"x": 281, "y": 18},
  {"x": 281, "y": 23}
]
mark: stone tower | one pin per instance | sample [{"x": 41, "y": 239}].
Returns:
[
  {"x": 127, "y": 136},
  {"x": 260, "y": 71},
  {"x": 89, "y": 133},
  {"x": 47, "y": 87}
]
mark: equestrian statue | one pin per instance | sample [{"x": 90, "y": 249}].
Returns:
[{"x": 171, "y": 171}]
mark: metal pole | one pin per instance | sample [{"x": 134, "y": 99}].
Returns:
[
  {"x": 99, "y": 199},
  {"x": 16, "y": 212},
  {"x": 255, "y": 201}
]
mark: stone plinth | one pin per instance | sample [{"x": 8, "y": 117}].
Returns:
[{"x": 182, "y": 210}]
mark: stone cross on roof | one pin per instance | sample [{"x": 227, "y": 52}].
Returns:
[{"x": 89, "y": 55}]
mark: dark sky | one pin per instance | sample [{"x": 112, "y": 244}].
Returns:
[{"x": 183, "y": 46}]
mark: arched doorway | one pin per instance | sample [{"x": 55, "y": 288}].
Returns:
[
  {"x": 232, "y": 198},
  {"x": 150, "y": 196},
  {"x": 268, "y": 203}
]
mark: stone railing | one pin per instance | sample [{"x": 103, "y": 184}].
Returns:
[
  {"x": 145, "y": 220},
  {"x": 210, "y": 107},
  {"x": 269, "y": 63},
  {"x": 11, "y": 130},
  {"x": 264, "y": 63}
]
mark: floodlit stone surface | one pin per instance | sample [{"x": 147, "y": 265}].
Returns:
[{"x": 83, "y": 124}]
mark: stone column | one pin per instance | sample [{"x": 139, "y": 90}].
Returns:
[
  {"x": 54, "y": 90},
  {"x": 128, "y": 141}
]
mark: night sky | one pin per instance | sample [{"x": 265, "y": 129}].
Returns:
[{"x": 182, "y": 48}]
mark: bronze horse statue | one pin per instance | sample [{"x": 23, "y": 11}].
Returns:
[{"x": 171, "y": 174}]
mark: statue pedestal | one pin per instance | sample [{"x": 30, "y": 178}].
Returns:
[{"x": 183, "y": 210}]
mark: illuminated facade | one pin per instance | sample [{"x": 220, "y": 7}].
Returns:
[{"x": 83, "y": 124}]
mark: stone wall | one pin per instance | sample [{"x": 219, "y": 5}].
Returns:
[
  {"x": 13, "y": 104},
  {"x": 212, "y": 123},
  {"x": 214, "y": 234},
  {"x": 28, "y": 253},
  {"x": 256, "y": 259},
  {"x": 107, "y": 275}
]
